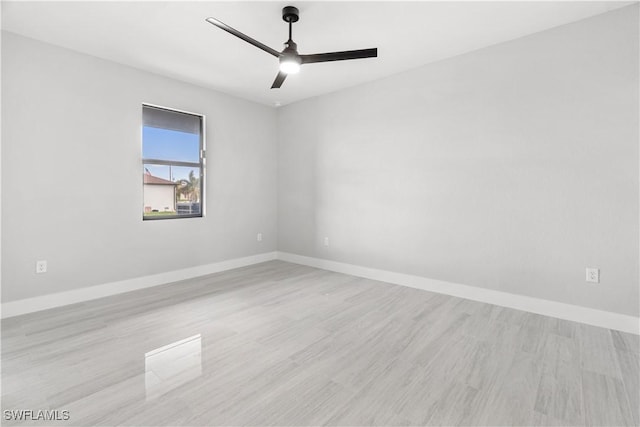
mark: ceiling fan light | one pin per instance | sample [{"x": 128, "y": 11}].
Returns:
[{"x": 290, "y": 64}]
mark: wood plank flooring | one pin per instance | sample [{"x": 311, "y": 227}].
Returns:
[{"x": 283, "y": 344}]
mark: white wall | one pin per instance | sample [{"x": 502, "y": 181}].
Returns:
[
  {"x": 71, "y": 145},
  {"x": 510, "y": 168}
]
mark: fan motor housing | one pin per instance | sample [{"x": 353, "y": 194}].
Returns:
[{"x": 290, "y": 14}]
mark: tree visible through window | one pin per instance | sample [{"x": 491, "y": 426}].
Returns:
[{"x": 173, "y": 163}]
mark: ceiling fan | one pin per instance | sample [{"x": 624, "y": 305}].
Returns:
[{"x": 290, "y": 59}]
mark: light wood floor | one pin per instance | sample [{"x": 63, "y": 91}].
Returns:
[{"x": 282, "y": 344}]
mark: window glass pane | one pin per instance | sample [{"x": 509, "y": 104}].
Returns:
[
  {"x": 171, "y": 190},
  {"x": 165, "y": 144}
]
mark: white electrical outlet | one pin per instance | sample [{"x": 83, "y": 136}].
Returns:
[
  {"x": 41, "y": 267},
  {"x": 326, "y": 241},
  {"x": 259, "y": 237},
  {"x": 593, "y": 275}
]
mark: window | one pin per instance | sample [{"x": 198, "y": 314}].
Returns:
[{"x": 173, "y": 163}]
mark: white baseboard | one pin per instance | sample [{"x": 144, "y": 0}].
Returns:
[
  {"x": 44, "y": 302},
  {"x": 590, "y": 316},
  {"x": 560, "y": 310}
]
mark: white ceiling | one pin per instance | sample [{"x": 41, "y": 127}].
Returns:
[{"x": 173, "y": 39}]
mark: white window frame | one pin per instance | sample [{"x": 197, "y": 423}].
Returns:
[{"x": 201, "y": 164}]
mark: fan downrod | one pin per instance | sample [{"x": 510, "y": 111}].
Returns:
[{"x": 290, "y": 14}]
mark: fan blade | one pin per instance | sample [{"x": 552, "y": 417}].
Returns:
[
  {"x": 279, "y": 80},
  {"x": 244, "y": 37},
  {"x": 339, "y": 56}
]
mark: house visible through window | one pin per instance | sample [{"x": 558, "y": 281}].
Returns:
[{"x": 173, "y": 163}]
